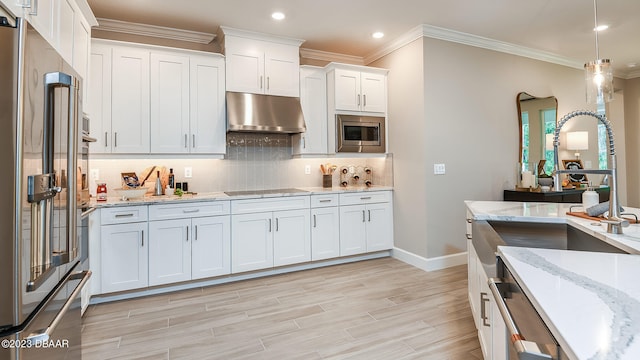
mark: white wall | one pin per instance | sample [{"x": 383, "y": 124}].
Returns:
[
  {"x": 632, "y": 138},
  {"x": 469, "y": 122}
]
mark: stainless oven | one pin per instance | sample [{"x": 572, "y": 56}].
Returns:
[
  {"x": 527, "y": 335},
  {"x": 362, "y": 134}
]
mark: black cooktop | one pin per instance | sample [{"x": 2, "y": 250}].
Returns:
[{"x": 264, "y": 192}]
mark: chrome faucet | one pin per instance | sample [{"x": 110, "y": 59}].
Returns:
[{"x": 614, "y": 221}]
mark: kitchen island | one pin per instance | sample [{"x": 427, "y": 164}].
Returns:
[{"x": 588, "y": 300}]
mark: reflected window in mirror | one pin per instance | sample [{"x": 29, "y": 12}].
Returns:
[{"x": 537, "y": 118}]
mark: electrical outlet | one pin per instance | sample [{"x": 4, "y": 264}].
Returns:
[
  {"x": 438, "y": 169},
  {"x": 307, "y": 169},
  {"x": 95, "y": 174},
  {"x": 188, "y": 172}
]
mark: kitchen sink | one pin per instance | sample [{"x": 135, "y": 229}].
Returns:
[{"x": 488, "y": 235}]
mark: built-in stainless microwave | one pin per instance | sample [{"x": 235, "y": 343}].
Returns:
[{"x": 360, "y": 134}]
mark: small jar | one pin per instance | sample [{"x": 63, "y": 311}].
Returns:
[{"x": 101, "y": 192}]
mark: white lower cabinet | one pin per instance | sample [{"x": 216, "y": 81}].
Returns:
[
  {"x": 190, "y": 246},
  {"x": 367, "y": 227},
  {"x": 123, "y": 249},
  {"x": 492, "y": 332},
  {"x": 262, "y": 239},
  {"x": 325, "y": 227}
]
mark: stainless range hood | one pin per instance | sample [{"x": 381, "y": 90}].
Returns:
[{"x": 264, "y": 113}]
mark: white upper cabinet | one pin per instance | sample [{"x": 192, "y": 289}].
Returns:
[
  {"x": 261, "y": 64},
  {"x": 146, "y": 99},
  {"x": 313, "y": 99},
  {"x": 357, "y": 88},
  {"x": 40, "y": 14},
  {"x": 169, "y": 103}
]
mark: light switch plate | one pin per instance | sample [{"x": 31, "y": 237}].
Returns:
[
  {"x": 188, "y": 172},
  {"x": 439, "y": 169},
  {"x": 307, "y": 169},
  {"x": 95, "y": 174}
]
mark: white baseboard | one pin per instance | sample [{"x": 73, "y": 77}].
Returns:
[{"x": 430, "y": 264}]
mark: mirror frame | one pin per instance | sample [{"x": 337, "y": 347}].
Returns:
[{"x": 520, "y": 117}]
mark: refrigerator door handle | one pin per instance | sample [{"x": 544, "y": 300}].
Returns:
[{"x": 43, "y": 335}]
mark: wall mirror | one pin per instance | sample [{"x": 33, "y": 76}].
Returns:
[{"x": 537, "y": 118}]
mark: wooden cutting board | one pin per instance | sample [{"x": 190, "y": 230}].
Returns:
[
  {"x": 584, "y": 215},
  {"x": 151, "y": 181}
]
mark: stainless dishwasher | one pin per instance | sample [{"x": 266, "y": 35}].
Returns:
[{"x": 527, "y": 335}]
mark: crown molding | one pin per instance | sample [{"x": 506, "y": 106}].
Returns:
[
  {"x": 330, "y": 56},
  {"x": 439, "y": 33},
  {"x": 631, "y": 74},
  {"x": 154, "y": 31},
  {"x": 229, "y": 31}
]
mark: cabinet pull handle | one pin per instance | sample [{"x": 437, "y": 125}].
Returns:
[
  {"x": 105, "y": 139},
  {"x": 469, "y": 221},
  {"x": 363, "y": 216},
  {"x": 469, "y": 236},
  {"x": 277, "y": 226},
  {"x": 358, "y": 99},
  {"x": 314, "y": 220},
  {"x": 304, "y": 142},
  {"x": 187, "y": 233},
  {"x": 185, "y": 141},
  {"x": 123, "y": 215},
  {"x": 325, "y": 200},
  {"x": 369, "y": 211},
  {"x": 196, "y": 234},
  {"x": 260, "y": 81},
  {"x": 484, "y": 299},
  {"x": 365, "y": 198},
  {"x": 364, "y": 100},
  {"x": 115, "y": 139},
  {"x": 269, "y": 225},
  {"x": 33, "y": 5},
  {"x": 142, "y": 238},
  {"x": 193, "y": 143},
  {"x": 191, "y": 211},
  {"x": 267, "y": 82}
]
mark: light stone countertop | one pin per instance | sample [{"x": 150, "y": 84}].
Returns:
[
  {"x": 590, "y": 301},
  {"x": 114, "y": 201}
]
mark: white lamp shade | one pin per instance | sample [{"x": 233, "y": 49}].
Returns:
[{"x": 578, "y": 140}]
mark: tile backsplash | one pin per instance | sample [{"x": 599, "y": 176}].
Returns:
[{"x": 253, "y": 161}]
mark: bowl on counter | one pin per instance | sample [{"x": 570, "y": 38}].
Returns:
[{"x": 131, "y": 193}]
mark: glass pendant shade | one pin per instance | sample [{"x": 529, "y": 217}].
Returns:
[{"x": 599, "y": 79}]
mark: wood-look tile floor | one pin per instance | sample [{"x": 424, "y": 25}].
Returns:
[{"x": 375, "y": 309}]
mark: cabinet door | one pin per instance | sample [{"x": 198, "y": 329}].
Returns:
[
  {"x": 64, "y": 29},
  {"x": 313, "y": 99},
  {"x": 325, "y": 233},
  {"x": 130, "y": 100},
  {"x": 291, "y": 237},
  {"x": 282, "y": 70},
  {"x": 169, "y": 251},
  {"x": 352, "y": 230},
  {"x": 99, "y": 101},
  {"x": 211, "y": 247},
  {"x": 245, "y": 66},
  {"x": 41, "y": 16},
  {"x": 485, "y": 303},
  {"x": 499, "y": 345},
  {"x": 379, "y": 227},
  {"x": 124, "y": 257},
  {"x": 347, "y": 90},
  {"x": 374, "y": 92},
  {"x": 472, "y": 276},
  {"x": 81, "y": 53},
  {"x": 207, "y": 111},
  {"x": 251, "y": 242},
  {"x": 169, "y": 100}
]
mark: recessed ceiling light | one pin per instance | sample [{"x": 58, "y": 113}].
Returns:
[
  {"x": 377, "y": 35},
  {"x": 632, "y": 65},
  {"x": 278, "y": 15},
  {"x": 601, "y": 28}
]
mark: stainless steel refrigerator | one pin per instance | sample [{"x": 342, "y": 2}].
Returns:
[{"x": 40, "y": 200}]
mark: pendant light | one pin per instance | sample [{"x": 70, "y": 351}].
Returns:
[{"x": 598, "y": 73}]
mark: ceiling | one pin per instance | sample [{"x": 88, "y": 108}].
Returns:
[{"x": 564, "y": 28}]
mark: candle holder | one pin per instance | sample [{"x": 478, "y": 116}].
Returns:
[{"x": 527, "y": 176}]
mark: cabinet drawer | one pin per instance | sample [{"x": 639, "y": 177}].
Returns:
[
  {"x": 318, "y": 201},
  {"x": 270, "y": 204},
  {"x": 190, "y": 210},
  {"x": 123, "y": 215},
  {"x": 365, "y": 197}
]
